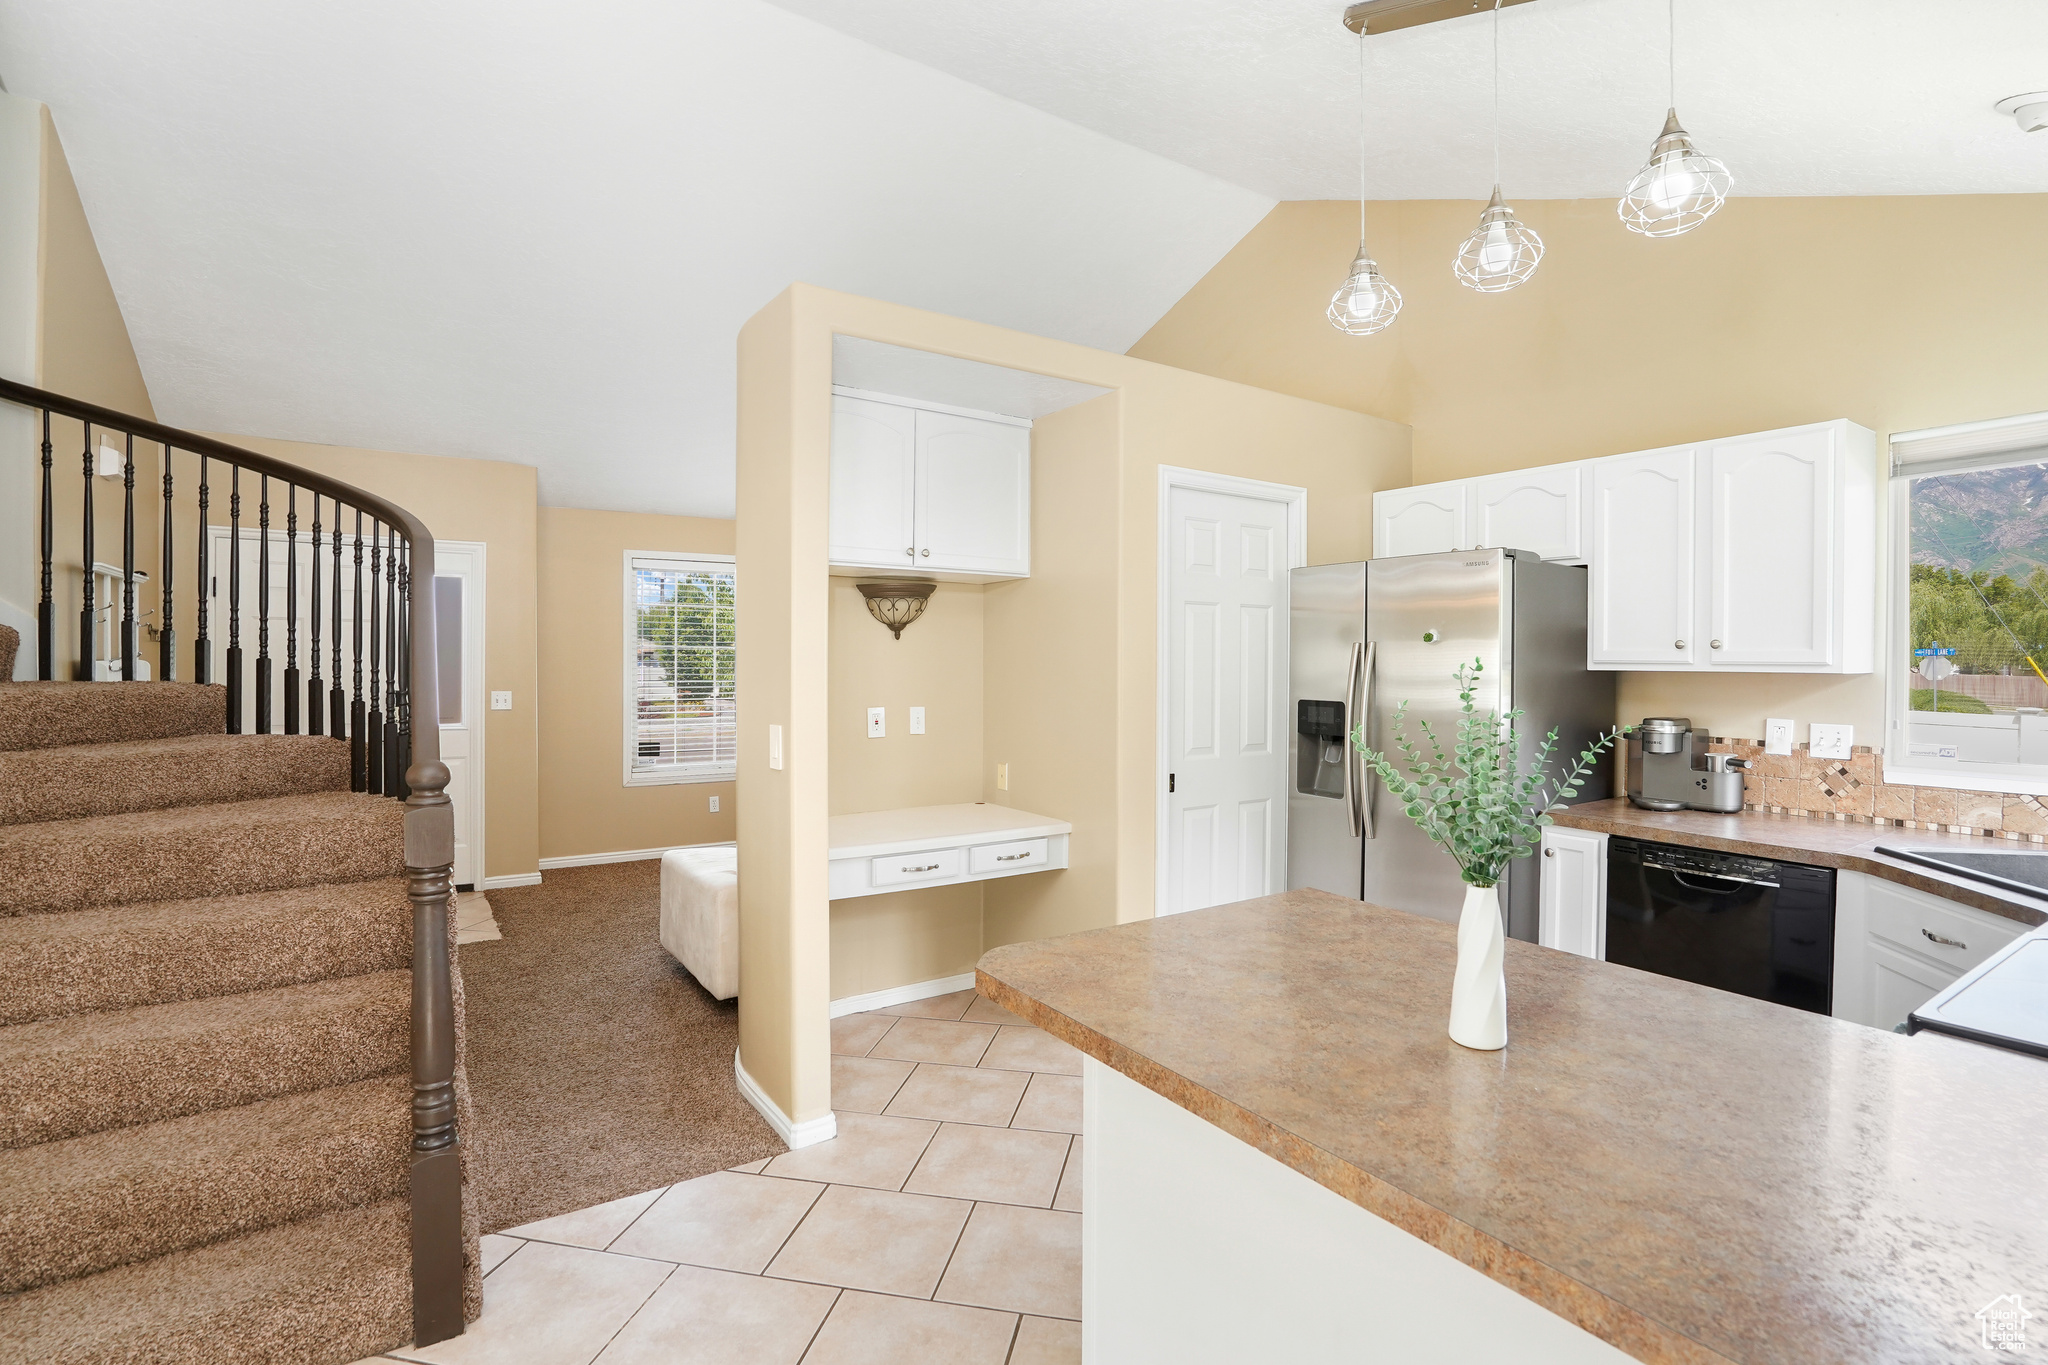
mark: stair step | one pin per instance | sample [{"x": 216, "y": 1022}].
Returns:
[
  {"x": 319, "y": 1292},
  {"x": 217, "y": 850},
  {"x": 79, "y": 781},
  {"x": 159, "y": 952},
  {"x": 62, "y": 1078},
  {"x": 200, "y": 1179},
  {"x": 45, "y": 715}
]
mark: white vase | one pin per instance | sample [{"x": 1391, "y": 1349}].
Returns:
[{"x": 1479, "y": 991}]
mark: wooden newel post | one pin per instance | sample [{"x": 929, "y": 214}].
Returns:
[{"x": 437, "y": 1269}]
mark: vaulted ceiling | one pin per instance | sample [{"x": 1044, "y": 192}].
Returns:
[{"x": 531, "y": 231}]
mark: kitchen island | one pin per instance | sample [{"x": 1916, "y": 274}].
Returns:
[{"x": 1287, "y": 1159}]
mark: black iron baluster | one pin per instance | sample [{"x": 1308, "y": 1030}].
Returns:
[
  {"x": 202, "y": 660},
  {"x": 314, "y": 720},
  {"x": 85, "y": 613},
  {"x": 374, "y": 741},
  {"x": 167, "y": 621},
  {"x": 235, "y": 600},
  {"x": 263, "y": 606},
  {"x": 358, "y": 758},
  {"x": 291, "y": 610},
  {"x": 391, "y": 682},
  {"x": 402, "y": 708},
  {"x": 46, "y": 606},
  {"x": 128, "y": 562},
  {"x": 337, "y": 699}
]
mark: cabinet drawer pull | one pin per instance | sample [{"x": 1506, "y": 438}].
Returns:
[
  {"x": 1010, "y": 857},
  {"x": 1944, "y": 942},
  {"x": 928, "y": 867}
]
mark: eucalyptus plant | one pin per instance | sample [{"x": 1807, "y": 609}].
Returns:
[{"x": 1476, "y": 802}]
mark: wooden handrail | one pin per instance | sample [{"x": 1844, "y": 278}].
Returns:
[{"x": 409, "y": 753}]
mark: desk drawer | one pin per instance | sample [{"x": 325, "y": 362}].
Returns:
[
  {"x": 1022, "y": 856},
  {"x": 902, "y": 869},
  {"x": 1957, "y": 936}
]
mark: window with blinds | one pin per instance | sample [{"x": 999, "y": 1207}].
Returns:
[{"x": 681, "y": 663}]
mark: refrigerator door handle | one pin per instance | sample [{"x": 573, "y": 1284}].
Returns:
[{"x": 1358, "y": 695}]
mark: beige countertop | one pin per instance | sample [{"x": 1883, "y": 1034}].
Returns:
[
  {"x": 1691, "y": 1175},
  {"x": 1820, "y": 843}
]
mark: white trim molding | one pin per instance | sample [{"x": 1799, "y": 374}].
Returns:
[
  {"x": 1295, "y": 499},
  {"x": 794, "y": 1135},
  {"x": 902, "y": 995},
  {"x": 623, "y": 855},
  {"x": 509, "y": 879}
]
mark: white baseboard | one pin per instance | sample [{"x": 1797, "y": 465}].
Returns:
[
  {"x": 806, "y": 1134},
  {"x": 902, "y": 995},
  {"x": 510, "y": 879},
  {"x": 624, "y": 855}
]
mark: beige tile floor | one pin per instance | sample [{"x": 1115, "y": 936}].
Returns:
[{"x": 941, "y": 1227}]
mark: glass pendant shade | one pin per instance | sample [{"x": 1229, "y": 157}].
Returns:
[
  {"x": 1677, "y": 189},
  {"x": 1365, "y": 303},
  {"x": 1501, "y": 252}
]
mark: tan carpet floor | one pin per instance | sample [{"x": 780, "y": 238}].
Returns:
[{"x": 599, "y": 1067}]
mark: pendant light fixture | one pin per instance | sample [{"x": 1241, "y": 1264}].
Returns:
[
  {"x": 1501, "y": 252},
  {"x": 1365, "y": 303},
  {"x": 1679, "y": 187}
]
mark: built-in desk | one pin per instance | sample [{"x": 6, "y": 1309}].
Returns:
[{"x": 902, "y": 850}]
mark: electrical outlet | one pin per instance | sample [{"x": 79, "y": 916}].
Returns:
[
  {"x": 878, "y": 722},
  {"x": 1777, "y": 736},
  {"x": 501, "y": 701},
  {"x": 1830, "y": 741},
  {"x": 714, "y": 805},
  {"x": 917, "y": 720},
  {"x": 1002, "y": 777},
  {"x": 775, "y": 747}
]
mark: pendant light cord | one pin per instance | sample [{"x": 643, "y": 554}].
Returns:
[
  {"x": 1496, "y": 94},
  {"x": 1671, "y": 47},
  {"x": 1361, "y": 137}
]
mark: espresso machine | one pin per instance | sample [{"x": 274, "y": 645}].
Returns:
[{"x": 1669, "y": 768}]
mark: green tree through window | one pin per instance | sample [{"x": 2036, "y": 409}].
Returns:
[{"x": 685, "y": 660}]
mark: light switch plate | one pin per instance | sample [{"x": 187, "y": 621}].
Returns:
[
  {"x": 1777, "y": 736},
  {"x": 714, "y": 805},
  {"x": 1830, "y": 741},
  {"x": 1002, "y": 777},
  {"x": 501, "y": 701},
  {"x": 775, "y": 746},
  {"x": 878, "y": 722},
  {"x": 917, "y": 720},
  {"x": 113, "y": 462}
]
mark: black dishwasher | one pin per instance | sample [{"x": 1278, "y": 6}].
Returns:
[{"x": 1748, "y": 925}]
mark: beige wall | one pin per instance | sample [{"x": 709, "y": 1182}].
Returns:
[
  {"x": 585, "y": 804},
  {"x": 1163, "y": 416},
  {"x": 1897, "y": 313},
  {"x": 494, "y": 502}
]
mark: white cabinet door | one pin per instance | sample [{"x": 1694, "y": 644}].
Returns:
[
  {"x": 1771, "y": 551},
  {"x": 1897, "y": 947},
  {"x": 973, "y": 495},
  {"x": 874, "y": 466},
  {"x": 1642, "y": 561},
  {"x": 1573, "y": 915},
  {"x": 1419, "y": 521},
  {"x": 1530, "y": 509}
]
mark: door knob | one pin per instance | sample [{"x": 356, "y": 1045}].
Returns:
[{"x": 1678, "y": 644}]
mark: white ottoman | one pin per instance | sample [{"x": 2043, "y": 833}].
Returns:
[{"x": 700, "y": 915}]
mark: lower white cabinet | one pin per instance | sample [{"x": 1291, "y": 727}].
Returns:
[
  {"x": 1897, "y": 947},
  {"x": 1573, "y": 912}
]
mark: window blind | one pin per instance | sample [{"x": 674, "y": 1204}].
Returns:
[{"x": 683, "y": 656}]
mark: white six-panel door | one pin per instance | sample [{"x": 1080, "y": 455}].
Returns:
[{"x": 1226, "y": 658}]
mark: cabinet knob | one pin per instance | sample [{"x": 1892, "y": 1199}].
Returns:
[
  {"x": 909, "y": 551},
  {"x": 1550, "y": 853},
  {"x": 1713, "y": 644},
  {"x": 1678, "y": 644},
  {"x": 926, "y": 553}
]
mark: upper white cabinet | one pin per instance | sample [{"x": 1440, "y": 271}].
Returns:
[
  {"x": 1540, "y": 510},
  {"x": 1640, "y": 613},
  {"x": 1755, "y": 554},
  {"x": 1424, "y": 520},
  {"x": 930, "y": 492}
]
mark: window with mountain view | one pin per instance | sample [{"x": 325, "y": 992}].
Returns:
[
  {"x": 1977, "y": 588},
  {"x": 682, "y": 657}
]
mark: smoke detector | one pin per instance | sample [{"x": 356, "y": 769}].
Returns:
[{"x": 2029, "y": 111}]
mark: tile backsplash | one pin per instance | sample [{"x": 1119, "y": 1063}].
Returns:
[{"x": 1855, "y": 789}]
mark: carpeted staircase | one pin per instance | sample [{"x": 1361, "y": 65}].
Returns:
[{"x": 205, "y": 1013}]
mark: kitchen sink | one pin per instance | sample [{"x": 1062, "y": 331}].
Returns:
[{"x": 2026, "y": 873}]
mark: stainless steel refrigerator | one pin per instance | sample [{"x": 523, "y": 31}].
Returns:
[{"x": 1364, "y": 638}]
